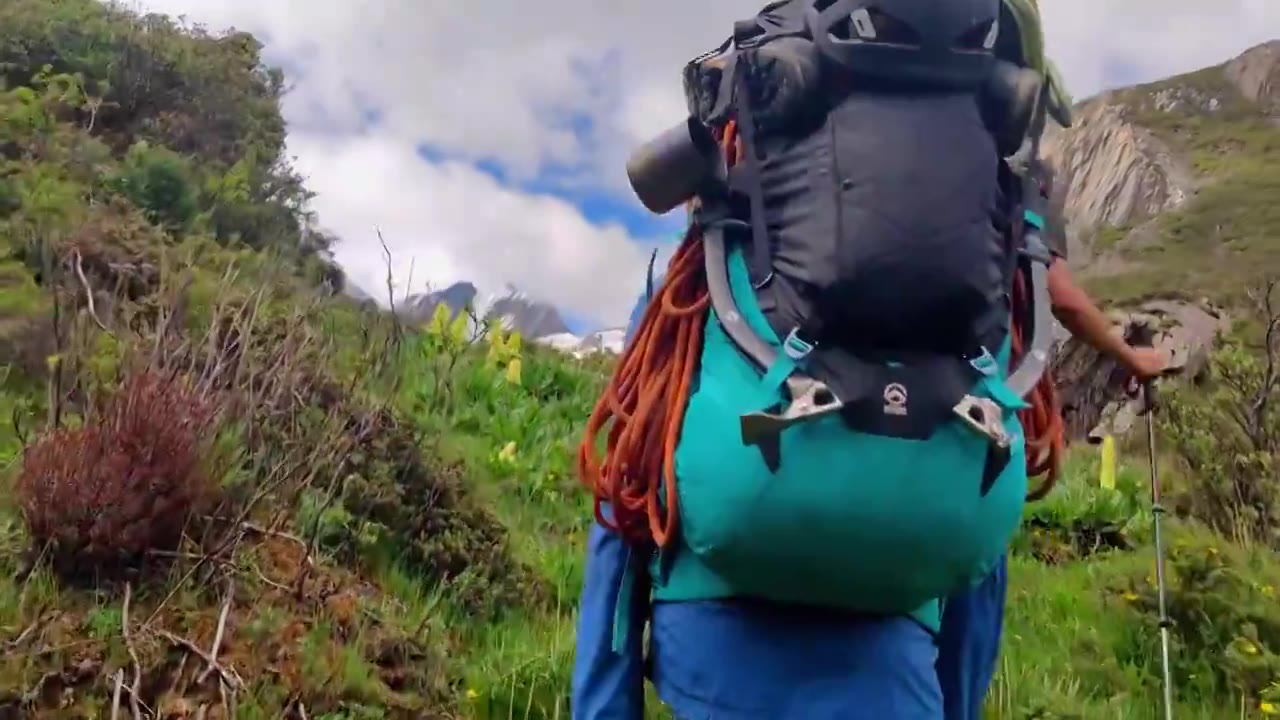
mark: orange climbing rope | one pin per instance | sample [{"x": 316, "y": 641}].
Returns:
[
  {"x": 1042, "y": 422},
  {"x": 645, "y": 400},
  {"x": 644, "y": 403}
]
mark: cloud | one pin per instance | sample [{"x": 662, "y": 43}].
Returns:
[
  {"x": 449, "y": 221},
  {"x": 1150, "y": 39},
  {"x": 504, "y": 80},
  {"x": 555, "y": 95}
]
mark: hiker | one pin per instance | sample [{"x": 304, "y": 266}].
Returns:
[
  {"x": 814, "y": 432},
  {"x": 969, "y": 642}
]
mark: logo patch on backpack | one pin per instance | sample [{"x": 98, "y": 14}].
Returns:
[{"x": 895, "y": 399}]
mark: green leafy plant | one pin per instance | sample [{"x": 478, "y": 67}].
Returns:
[
  {"x": 1222, "y": 600},
  {"x": 1080, "y": 517},
  {"x": 1227, "y": 432},
  {"x": 159, "y": 182}
]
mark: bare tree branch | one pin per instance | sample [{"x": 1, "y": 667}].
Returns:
[
  {"x": 391, "y": 289},
  {"x": 88, "y": 291}
]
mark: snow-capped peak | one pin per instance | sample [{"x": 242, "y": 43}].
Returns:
[{"x": 602, "y": 341}]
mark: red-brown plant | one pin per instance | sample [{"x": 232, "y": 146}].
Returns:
[{"x": 98, "y": 498}]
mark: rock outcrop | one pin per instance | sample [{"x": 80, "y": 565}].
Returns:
[
  {"x": 609, "y": 341},
  {"x": 1091, "y": 387},
  {"x": 1113, "y": 172},
  {"x": 513, "y": 310},
  {"x": 1256, "y": 74}
]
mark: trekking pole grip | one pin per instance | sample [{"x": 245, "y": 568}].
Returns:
[{"x": 1150, "y": 396}]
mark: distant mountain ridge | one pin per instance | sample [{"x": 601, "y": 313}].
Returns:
[{"x": 537, "y": 321}]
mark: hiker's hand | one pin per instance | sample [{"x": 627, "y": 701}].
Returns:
[
  {"x": 1146, "y": 363},
  {"x": 1143, "y": 364}
]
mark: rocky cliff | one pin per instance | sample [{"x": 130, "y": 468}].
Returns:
[
  {"x": 1256, "y": 74},
  {"x": 1172, "y": 198},
  {"x": 1115, "y": 173}
]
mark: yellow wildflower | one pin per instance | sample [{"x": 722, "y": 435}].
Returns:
[
  {"x": 513, "y": 372},
  {"x": 1248, "y": 648},
  {"x": 1130, "y": 596},
  {"x": 472, "y": 694},
  {"x": 1268, "y": 708},
  {"x": 458, "y": 329},
  {"x": 496, "y": 348},
  {"x": 439, "y": 321}
]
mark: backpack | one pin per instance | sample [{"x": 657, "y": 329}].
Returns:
[{"x": 818, "y": 406}]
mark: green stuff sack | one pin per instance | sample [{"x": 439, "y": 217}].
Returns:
[
  {"x": 857, "y": 521},
  {"x": 1025, "y": 46}
]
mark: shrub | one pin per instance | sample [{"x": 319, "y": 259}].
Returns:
[
  {"x": 97, "y": 498},
  {"x": 1228, "y": 435},
  {"x": 395, "y": 502},
  {"x": 159, "y": 182},
  {"x": 1080, "y": 518},
  {"x": 1222, "y": 600}
]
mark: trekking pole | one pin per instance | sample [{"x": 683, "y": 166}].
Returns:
[{"x": 1157, "y": 510}]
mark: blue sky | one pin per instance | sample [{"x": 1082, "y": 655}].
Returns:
[
  {"x": 487, "y": 143},
  {"x": 597, "y": 205}
]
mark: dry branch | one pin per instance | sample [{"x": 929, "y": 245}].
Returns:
[
  {"x": 217, "y": 637},
  {"x": 133, "y": 655},
  {"x": 88, "y": 291},
  {"x": 227, "y": 675}
]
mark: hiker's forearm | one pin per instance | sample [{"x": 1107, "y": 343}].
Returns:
[{"x": 1082, "y": 318}]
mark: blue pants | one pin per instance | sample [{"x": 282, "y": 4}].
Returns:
[
  {"x": 740, "y": 661},
  {"x": 969, "y": 645},
  {"x": 878, "y": 671}
]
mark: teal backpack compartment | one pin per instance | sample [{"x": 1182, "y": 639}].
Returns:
[{"x": 854, "y": 521}]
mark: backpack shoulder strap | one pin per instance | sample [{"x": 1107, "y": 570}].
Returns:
[
  {"x": 648, "y": 280},
  {"x": 745, "y": 177}
]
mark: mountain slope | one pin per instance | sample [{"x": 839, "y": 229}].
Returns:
[
  {"x": 1171, "y": 185},
  {"x": 206, "y": 451},
  {"x": 537, "y": 321},
  {"x": 1170, "y": 193},
  {"x": 514, "y": 310}
]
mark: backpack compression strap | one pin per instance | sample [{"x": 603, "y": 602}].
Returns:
[
  {"x": 1043, "y": 420},
  {"x": 1034, "y": 261}
]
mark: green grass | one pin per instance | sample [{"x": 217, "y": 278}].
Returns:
[{"x": 1109, "y": 238}]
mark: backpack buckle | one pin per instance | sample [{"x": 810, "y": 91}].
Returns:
[
  {"x": 985, "y": 363},
  {"x": 984, "y": 417},
  {"x": 796, "y": 347},
  {"x": 810, "y": 400}
]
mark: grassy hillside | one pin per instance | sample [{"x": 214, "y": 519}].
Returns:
[
  {"x": 1227, "y": 235},
  {"x": 226, "y": 487}
]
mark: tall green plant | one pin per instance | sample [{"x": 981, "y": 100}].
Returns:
[{"x": 1227, "y": 432}]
